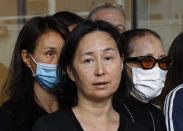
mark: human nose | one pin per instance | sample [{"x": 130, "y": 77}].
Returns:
[{"x": 100, "y": 69}]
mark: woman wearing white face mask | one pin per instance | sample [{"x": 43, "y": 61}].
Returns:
[
  {"x": 146, "y": 65},
  {"x": 33, "y": 73}
]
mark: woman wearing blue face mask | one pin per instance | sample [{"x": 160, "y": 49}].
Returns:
[
  {"x": 33, "y": 74},
  {"x": 147, "y": 66}
]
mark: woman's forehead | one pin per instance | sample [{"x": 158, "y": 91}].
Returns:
[{"x": 96, "y": 40}]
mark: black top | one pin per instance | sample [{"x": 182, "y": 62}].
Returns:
[
  {"x": 66, "y": 121},
  {"x": 145, "y": 114},
  {"x": 15, "y": 116}
]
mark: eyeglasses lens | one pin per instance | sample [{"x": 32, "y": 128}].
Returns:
[
  {"x": 164, "y": 63},
  {"x": 148, "y": 62}
]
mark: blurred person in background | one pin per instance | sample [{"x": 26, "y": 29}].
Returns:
[{"x": 112, "y": 14}]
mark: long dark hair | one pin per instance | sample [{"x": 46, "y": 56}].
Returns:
[
  {"x": 66, "y": 90},
  {"x": 19, "y": 84},
  {"x": 174, "y": 76}
]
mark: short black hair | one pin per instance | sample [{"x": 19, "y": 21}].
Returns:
[{"x": 68, "y": 18}]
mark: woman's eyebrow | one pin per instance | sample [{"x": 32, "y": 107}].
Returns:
[
  {"x": 108, "y": 49},
  {"x": 52, "y": 48},
  {"x": 87, "y": 53},
  {"x": 104, "y": 50}
]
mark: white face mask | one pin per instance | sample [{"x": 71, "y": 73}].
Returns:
[{"x": 148, "y": 84}]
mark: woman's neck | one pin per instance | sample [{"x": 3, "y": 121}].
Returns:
[
  {"x": 102, "y": 115},
  {"x": 95, "y": 108},
  {"x": 44, "y": 99}
]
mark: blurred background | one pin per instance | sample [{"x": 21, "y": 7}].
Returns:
[{"x": 162, "y": 16}]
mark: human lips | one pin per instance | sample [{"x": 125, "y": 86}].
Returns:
[{"x": 101, "y": 85}]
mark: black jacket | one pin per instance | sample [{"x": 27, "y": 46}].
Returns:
[{"x": 145, "y": 114}]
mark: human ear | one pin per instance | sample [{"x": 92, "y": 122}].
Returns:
[
  {"x": 26, "y": 58},
  {"x": 71, "y": 73}
]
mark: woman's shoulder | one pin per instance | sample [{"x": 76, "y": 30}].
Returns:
[
  {"x": 8, "y": 108},
  {"x": 127, "y": 125},
  {"x": 174, "y": 99},
  {"x": 8, "y": 116},
  {"x": 20, "y": 115},
  {"x": 56, "y": 121},
  {"x": 55, "y": 116},
  {"x": 176, "y": 93},
  {"x": 8, "y": 104},
  {"x": 12, "y": 108},
  {"x": 4, "y": 121},
  {"x": 173, "y": 108}
]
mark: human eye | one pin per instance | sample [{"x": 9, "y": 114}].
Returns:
[
  {"x": 88, "y": 60},
  {"x": 49, "y": 53},
  {"x": 108, "y": 58}
]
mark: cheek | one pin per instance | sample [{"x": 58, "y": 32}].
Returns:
[
  {"x": 116, "y": 67},
  {"x": 82, "y": 77},
  {"x": 115, "y": 73}
]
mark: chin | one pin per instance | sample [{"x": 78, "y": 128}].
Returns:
[{"x": 102, "y": 97}]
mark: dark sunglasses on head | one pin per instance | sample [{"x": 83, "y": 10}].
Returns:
[{"x": 148, "y": 62}]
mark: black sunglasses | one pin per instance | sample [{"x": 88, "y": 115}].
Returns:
[{"x": 148, "y": 62}]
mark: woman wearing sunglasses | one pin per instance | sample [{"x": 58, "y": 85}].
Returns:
[{"x": 146, "y": 65}]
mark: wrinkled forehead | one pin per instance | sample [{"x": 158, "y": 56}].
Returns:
[{"x": 146, "y": 45}]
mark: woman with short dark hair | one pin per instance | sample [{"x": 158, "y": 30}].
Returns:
[{"x": 147, "y": 66}]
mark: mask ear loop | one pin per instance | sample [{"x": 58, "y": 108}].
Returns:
[
  {"x": 34, "y": 62},
  {"x": 129, "y": 66}
]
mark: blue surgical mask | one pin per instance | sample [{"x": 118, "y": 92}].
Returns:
[{"x": 46, "y": 74}]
